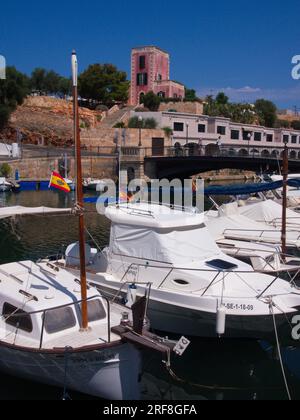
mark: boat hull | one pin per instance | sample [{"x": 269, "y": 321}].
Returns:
[
  {"x": 177, "y": 318},
  {"x": 5, "y": 188},
  {"x": 111, "y": 373}
]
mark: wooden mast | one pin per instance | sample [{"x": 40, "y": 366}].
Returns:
[
  {"x": 285, "y": 173},
  {"x": 79, "y": 195}
]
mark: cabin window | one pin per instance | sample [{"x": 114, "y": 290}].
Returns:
[
  {"x": 61, "y": 319},
  {"x": 17, "y": 318},
  {"x": 182, "y": 282},
  {"x": 96, "y": 311}
]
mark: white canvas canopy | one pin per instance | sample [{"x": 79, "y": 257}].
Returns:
[
  {"x": 6, "y": 212},
  {"x": 230, "y": 224},
  {"x": 269, "y": 212},
  {"x": 160, "y": 234}
]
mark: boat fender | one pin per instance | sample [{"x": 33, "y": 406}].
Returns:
[
  {"x": 131, "y": 295},
  {"x": 221, "y": 321}
]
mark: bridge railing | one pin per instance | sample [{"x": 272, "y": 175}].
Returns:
[{"x": 212, "y": 150}]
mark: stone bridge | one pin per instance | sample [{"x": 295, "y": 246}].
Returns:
[{"x": 183, "y": 162}]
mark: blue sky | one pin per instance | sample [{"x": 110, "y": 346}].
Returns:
[{"x": 242, "y": 47}]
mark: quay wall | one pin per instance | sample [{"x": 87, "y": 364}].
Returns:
[{"x": 41, "y": 168}]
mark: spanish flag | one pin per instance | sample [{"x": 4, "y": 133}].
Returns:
[{"x": 59, "y": 183}]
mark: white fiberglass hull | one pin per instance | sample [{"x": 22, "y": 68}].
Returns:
[
  {"x": 110, "y": 373},
  {"x": 196, "y": 315}
]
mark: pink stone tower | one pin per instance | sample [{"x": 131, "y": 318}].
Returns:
[{"x": 150, "y": 71}]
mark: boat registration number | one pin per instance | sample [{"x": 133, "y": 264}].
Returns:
[{"x": 239, "y": 307}]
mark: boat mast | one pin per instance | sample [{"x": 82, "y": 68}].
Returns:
[
  {"x": 79, "y": 194},
  {"x": 285, "y": 174}
]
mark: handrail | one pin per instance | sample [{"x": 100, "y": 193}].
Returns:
[{"x": 262, "y": 231}]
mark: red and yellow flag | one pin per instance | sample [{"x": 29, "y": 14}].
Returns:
[{"x": 58, "y": 182}]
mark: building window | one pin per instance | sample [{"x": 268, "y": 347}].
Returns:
[
  {"x": 23, "y": 321},
  {"x": 201, "y": 128},
  {"x": 286, "y": 138},
  {"x": 178, "y": 126},
  {"x": 247, "y": 135},
  {"x": 257, "y": 136},
  {"x": 142, "y": 62},
  {"x": 142, "y": 79},
  {"x": 235, "y": 134},
  {"x": 161, "y": 94},
  {"x": 294, "y": 139},
  {"x": 221, "y": 130},
  {"x": 269, "y": 138}
]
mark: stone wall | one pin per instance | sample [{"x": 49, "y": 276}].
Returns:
[
  {"x": 183, "y": 107},
  {"x": 105, "y": 137},
  {"x": 40, "y": 169}
]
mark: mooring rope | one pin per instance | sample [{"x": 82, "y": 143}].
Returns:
[{"x": 279, "y": 353}]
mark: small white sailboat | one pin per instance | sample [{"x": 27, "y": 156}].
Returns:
[
  {"x": 195, "y": 287},
  {"x": 41, "y": 338}
]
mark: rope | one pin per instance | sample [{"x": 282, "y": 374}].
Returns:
[{"x": 279, "y": 353}]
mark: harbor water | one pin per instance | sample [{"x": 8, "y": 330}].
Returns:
[{"x": 213, "y": 369}]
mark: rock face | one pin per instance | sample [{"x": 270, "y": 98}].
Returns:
[{"x": 49, "y": 121}]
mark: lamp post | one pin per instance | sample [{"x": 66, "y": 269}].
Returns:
[
  {"x": 187, "y": 133},
  {"x": 140, "y": 130},
  {"x": 249, "y": 135},
  {"x": 285, "y": 173}
]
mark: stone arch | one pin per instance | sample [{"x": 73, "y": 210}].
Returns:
[
  {"x": 293, "y": 154},
  {"x": 265, "y": 153},
  {"x": 212, "y": 149},
  {"x": 243, "y": 152},
  {"x": 275, "y": 153},
  {"x": 193, "y": 148},
  {"x": 232, "y": 152},
  {"x": 254, "y": 152}
]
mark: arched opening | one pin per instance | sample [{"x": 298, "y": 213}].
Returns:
[
  {"x": 130, "y": 174},
  {"x": 243, "y": 152},
  {"x": 293, "y": 154},
  {"x": 212, "y": 150},
  {"x": 265, "y": 153},
  {"x": 232, "y": 152},
  {"x": 193, "y": 149},
  {"x": 275, "y": 153},
  {"x": 254, "y": 152},
  {"x": 161, "y": 94},
  {"x": 178, "y": 149}
]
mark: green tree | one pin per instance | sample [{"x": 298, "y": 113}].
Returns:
[
  {"x": 13, "y": 91},
  {"x": 282, "y": 124},
  {"x": 5, "y": 170},
  {"x": 267, "y": 112},
  {"x": 150, "y": 123},
  {"x": 190, "y": 94},
  {"x": 222, "y": 99},
  {"x": 295, "y": 125},
  {"x": 38, "y": 79},
  {"x": 151, "y": 101},
  {"x": 104, "y": 83}
]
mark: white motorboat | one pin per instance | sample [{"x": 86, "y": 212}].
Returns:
[
  {"x": 193, "y": 282},
  {"x": 270, "y": 213},
  {"x": 5, "y": 186},
  {"x": 228, "y": 223},
  {"x": 40, "y": 337}
]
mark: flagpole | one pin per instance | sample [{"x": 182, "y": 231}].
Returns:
[{"x": 79, "y": 195}]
